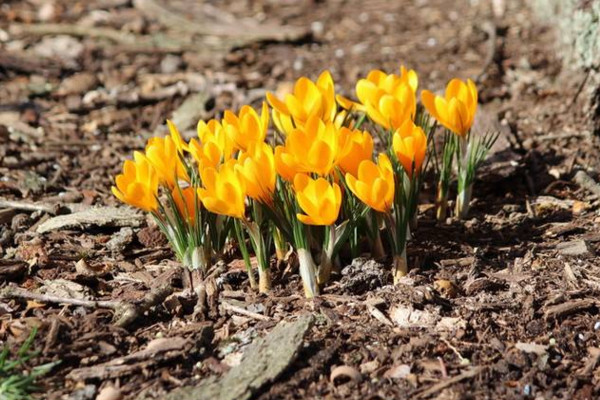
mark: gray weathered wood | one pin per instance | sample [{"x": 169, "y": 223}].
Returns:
[{"x": 262, "y": 363}]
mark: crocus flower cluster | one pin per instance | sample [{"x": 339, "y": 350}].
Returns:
[{"x": 334, "y": 172}]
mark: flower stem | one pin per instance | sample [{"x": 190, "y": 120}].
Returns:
[
  {"x": 463, "y": 201},
  {"x": 325, "y": 267},
  {"x": 400, "y": 267},
  {"x": 441, "y": 202},
  {"x": 264, "y": 280},
  {"x": 280, "y": 244},
  {"x": 308, "y": 273}
]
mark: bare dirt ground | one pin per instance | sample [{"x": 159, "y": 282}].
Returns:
[{"x": 504, "y": 305}]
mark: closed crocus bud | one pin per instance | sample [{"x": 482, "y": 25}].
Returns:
[
  {"x": 374, "y": 184},
  {"x": 318, "y": 198},
  {"x": 162, "y": 154},
  {"x": 138, "y": 184},
  {"x": 409, "y": 144},
  {"x": 246, "y": 128},
  {"x": 187, "y": 203},
  {"x": 308, "y": 99},
  {"x": 456, "y": 110},
  {"x": 356, "y": 146},
  {"x": 286, "y": 165},
  {"x": 223, "y": 190},
  {"x": 257, "y": 168},
  {"x": 176, "y": 137}
]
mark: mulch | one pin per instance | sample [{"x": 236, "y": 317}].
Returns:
[{"x": 502, "y": 305}]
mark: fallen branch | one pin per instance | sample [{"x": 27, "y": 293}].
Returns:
[
  {"x": 25, "y": 206},
  {"x": 243, "y": 311},
  {"x": 568, "y": 308},
  {"x": 116, "y": 41},
  {"x": 125, "y": 313},
  {"x": 471, "y": 373},
  {"x": 113, "y": 35}
]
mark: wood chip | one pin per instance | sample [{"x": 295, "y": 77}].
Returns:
[
  {"x": 262, "y": 363},
  {"x": 568, "y": 308},
  {"x": 347, "y": 371},
  {"x": 112, "y": 217}
]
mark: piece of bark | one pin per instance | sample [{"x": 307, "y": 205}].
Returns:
[
  {"x": 113, "y": 217},
  {"x": 191, "y": 111},
  {"x": 158, "y": 350},
  {"x": 262, "y": 363},
  {"x": 568, "y": 308}
]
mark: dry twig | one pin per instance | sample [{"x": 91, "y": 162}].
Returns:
[{"x": 125, "y": 313}]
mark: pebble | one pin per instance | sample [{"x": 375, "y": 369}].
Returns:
[
  {"x": 574, "y": 248},
  {"x": 110, "y": 393}
]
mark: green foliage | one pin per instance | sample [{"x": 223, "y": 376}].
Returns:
[{"x": 16, "y": 380}]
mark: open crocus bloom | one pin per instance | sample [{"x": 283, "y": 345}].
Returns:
[
  {"x": 376, "y": 84},
  {"x": 456, "y": 110},
  {"x": 312, "y": 148},
  {"x": 247, "y": 127},
  {"x": 308, "y": 99}
]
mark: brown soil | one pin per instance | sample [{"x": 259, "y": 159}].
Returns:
[{"x": 500, "y": 306}]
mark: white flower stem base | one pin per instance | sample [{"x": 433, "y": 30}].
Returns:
[
  {"x": 400, "y": 267},
  {"x": 463, "y": 201},
  {"x": 308, "y": 272}
]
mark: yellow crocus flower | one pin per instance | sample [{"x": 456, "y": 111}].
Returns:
[
  {"x": 162, "y": 154},
  {"x": 409, "y": 144},
  {"x": 214, "y": 132},
  {"x": 206, "y": 155},
  {"x": 223, "y": 190},
  {"x": 456, "y": 110},
  {"x": 378, "y": 85},
  {"x": 312, "y": 148},
  {"x": 357, "y": 146},
  {"x": 213, "y": 146},
  {"x": 180, "y": 144},
  {"x": 318, "y": 198},
  {"x": 247, "y": 127},
  {"x": 186, "y": 202},
  {"x": 374, "y": 184},
  {"x": 138, "y": 184},
  {"x": 308, "y": 99},
  {"x": 257, "y": 168}
]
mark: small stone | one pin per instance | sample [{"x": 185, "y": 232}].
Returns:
[
  {"x": 574, "y": 248},
  {"x": 170, "y": 64},
  {"x": 397, "y": 372},
  {"x": 369, "y": 367},
  {"x": 110, "y": 393},
  {"x": 120, "y": 240}
]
